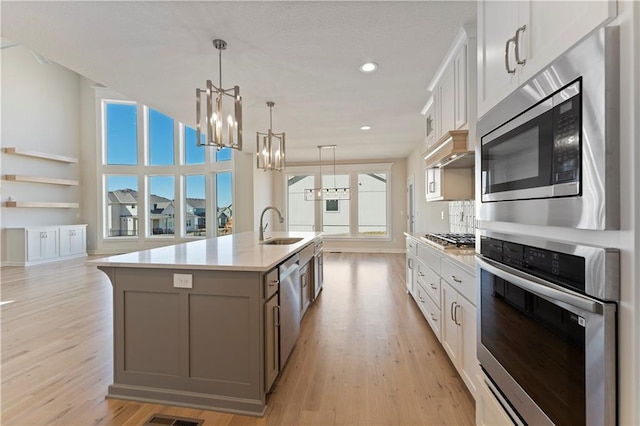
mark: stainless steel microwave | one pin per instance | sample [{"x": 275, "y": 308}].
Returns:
[{"x": 549, "y": 151}]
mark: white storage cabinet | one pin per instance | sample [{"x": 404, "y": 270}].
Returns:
[{"x": 33, "y": 245}]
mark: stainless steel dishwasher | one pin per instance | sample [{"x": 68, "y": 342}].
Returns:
[{"x": 289, "y": 275}]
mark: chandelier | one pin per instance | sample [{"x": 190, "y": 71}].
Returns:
[
  {"x": 331, "y": 193},
  {"x": 270, "y": 154},
  {"x": 221, "y": 131}
]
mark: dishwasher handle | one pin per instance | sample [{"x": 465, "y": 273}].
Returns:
[{"x": 288, "y": 266}]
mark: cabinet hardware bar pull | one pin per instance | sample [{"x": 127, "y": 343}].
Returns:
[
  {"x": 456, "y": 279},
  {"x": 421, "y": 274},
  {"x": 432, "y": 187},
  {"x": 433, "y": 317},
  {"x": 517, "y": 44},
  {"x": 273, "y": 283},
  {"x": 433, "y": 286},
  {"x": 453, "y": 307},
  {"x": 276, "y": 318},
  {"x": 455, "y": 315},
  {"x": 506, "y": 56},
  {"x": 421, "y": 299}
]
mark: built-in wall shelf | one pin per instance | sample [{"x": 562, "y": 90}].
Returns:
[
  {"x": 41, "y": 155},
  {"x": 40, "y": 179},
  {"x": 41, "y": 204}
]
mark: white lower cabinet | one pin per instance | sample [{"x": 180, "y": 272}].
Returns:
[
  {"x": 445, "y": 294},
  {"x": 27, "y": 246},
  {"x": 459, "y": 334}
]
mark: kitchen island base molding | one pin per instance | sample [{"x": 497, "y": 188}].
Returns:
[{"x": 201, "y": 401}]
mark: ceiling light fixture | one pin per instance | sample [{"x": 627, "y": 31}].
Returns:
[
  {"x": 219, "y": 134},
  {"x": 368, "y": 67},
  {"x": 270, "y": 156},
  {"x": 334, "y": 193},
  {"x": 365, "y": 128}
]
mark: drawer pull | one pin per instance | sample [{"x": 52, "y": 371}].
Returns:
[
  {"x": 421, "y": 299},
  {"x": 273, "y": 283},
  {"x": 433, "y": 286},
  {"x": 433, "y": 317},
  {"x": 421, "y": 274},
  {"x": 456, "y": 279}
]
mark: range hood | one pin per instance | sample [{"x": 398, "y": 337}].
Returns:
[{"x": 450, "y": 151}]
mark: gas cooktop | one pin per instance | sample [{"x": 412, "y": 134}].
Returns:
[{"x": 460, "y": 242}]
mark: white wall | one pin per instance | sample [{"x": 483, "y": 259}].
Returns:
[{"x": 40, "y": 112}]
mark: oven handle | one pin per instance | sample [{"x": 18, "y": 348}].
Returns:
[{"x": 537, "y": 285}]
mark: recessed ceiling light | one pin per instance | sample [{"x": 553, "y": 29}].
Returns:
[
  {"x": 368, "y": 67},
  {"x": 365, "y": 128}
]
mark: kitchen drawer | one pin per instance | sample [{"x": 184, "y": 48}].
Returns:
[
  {"x": 461, "y": 280},
  {"x": 412, "y": 246},
  {"x": 306, "y": 254},
  {"x": 430, "y": 311},
  {"x": 429, "y": 257},
  {"x": 430, "y": 281},
  {"x": 271, "y": 283}
]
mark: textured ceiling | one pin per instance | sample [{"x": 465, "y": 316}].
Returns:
[{"x": 303, "y": 55}]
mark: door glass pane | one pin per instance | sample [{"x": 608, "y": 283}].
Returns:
[
  {"x": 122, "y": 134},
  {"x": 372, "y": 205},
  {"x": 193, "y": 154},
  {"x": 335, "y": 219},
  {"x": 161, "y": 205},
  {"x": 122, "y": 206},
  {"x": 160, "y": 139},
  {"x": 195, "y": 205},
  {"x": 224, "y": 203},
  {"x": 300, "y": 213}
]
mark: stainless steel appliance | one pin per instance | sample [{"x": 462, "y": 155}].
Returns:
[
  {"x": 459, "y": 243},
  {"x": 289, "y": 276},
  {"x": 549, "y": 151},
  {"x": 547, "y": 327}
]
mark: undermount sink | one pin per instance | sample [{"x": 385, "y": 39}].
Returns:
[{"x": 281, "y": 241}]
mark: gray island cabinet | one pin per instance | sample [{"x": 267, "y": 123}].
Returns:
[{"x": 197, "y": 324}]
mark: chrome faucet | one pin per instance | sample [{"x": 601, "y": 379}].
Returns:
[{"x": 263, "y": 228}]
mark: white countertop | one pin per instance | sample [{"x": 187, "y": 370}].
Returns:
[
  {"x": 236, "y": 252},
  {"x": 465, "y": 260}
]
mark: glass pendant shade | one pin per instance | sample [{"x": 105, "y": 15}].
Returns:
[
  {"x": 223, "y": 119},
  {"x": 270, "y": 147}
]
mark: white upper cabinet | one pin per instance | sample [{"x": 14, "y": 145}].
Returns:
[{"x": 517, "y": 39}]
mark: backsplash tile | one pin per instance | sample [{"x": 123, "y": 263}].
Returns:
[{"x": 462, "y": 217}]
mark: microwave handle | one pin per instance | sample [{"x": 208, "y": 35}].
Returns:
[{"x": 536, "y": 285}]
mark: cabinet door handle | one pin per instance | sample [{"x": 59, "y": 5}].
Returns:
[
  {"x": 276, "y": 318},
  {"x": 506, "y": 56},
  {"x": 516, "y": 39},
  {"x": 410, "y": 263},
  {"x": 451, "y": 312},
  {"x": 433, "y": 317},
  {"x": 455, "y": 315},
  {"x": 456, "y": 279},
  {"x": 432, "y": 187},
  {"x": 273, "y": 283}
]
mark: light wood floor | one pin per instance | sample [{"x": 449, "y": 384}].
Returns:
[{"x": 365, "y": 354}]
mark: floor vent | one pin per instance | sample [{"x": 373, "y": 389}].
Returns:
[{"x": 158, "y": 419}]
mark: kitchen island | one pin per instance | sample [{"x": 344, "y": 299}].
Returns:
[{"x": 195, "y": 323}]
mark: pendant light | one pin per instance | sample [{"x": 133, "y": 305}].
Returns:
[
  {"x": 270, "y": 153},
  {"x": 329, "y": 193},
  {"x": 221, "y": 132}
]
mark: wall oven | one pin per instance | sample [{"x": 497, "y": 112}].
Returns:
[
  {"x": 547, "y": 327},
  {"x": 549, "y": 151}
]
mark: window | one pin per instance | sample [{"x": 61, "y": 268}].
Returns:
[
  {"x": 300, "y": 213},
  {"x": 122, "y": 206},
  {"x": 177, "y": 192},
  {"x": 336, "y": 222},
  {"x": 161, "y": 205},
  {"x": 195, "y": 205},
  {"x": 160, "y": 139},
  {"x": 193, "y": 154},
  {"x": 372, "y": 205},
  {"x": 121, "y": 133},
  {"x": 364, "y": 216},
  {"x": 224, "y": 205}
]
